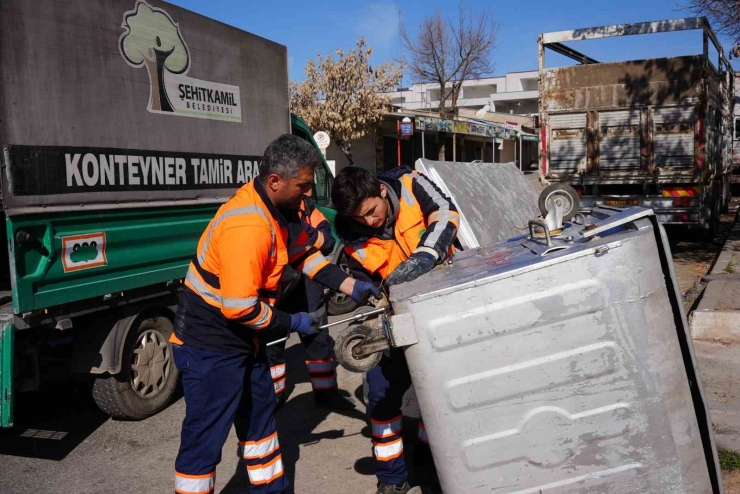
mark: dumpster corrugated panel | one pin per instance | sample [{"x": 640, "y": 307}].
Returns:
[
  {"x": 495, "y": 200},
  {"x": 557, "y": 373}
]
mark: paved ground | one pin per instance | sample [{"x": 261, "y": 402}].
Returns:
[
  {"x": 90, "y": 454},
  {"x": 62, "y": 444}
]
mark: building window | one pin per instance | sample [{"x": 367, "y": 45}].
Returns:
[{"x": 737, "y": 129}]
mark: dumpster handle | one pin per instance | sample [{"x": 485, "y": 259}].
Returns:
[{"x": 541, "y": 224}]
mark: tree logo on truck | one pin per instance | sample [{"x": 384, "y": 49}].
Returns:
[{"x": 152, "y": 39}]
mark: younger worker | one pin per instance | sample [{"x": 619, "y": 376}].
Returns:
[
  {"x": 309, "y": 297},
  {"x": 226, "y": 313},
  {"x": 394, "y": 228}
]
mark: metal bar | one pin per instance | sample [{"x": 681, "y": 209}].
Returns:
[
  {"x": 625, "y": 30},
  {"x": 423, "y": 155},
  {"x": 356, "y": 317},
  {"x": 571, "y": 53},
  {"x": 369, "y": 347},
  {"x": 278, "y": 341}
]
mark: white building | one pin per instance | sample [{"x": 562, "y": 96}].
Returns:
[{"x": 515, "y": 93}]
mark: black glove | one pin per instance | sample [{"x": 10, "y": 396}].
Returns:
[
  {"x": 413, "y": 267},
  {"x": 362, "y": 290}
]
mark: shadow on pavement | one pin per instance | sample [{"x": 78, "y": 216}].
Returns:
[{"x": 52, "y": 422}]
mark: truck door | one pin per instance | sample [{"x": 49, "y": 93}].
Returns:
[
  {"x": 567, "y": 142},
  {"x": 619, "y": 140},
  {"x": 673, "y": 137}
]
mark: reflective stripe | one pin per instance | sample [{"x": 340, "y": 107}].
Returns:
[
  {"x": 324, "y": 382},
  {"x": 264, "y": 316},
  {"x": 194, "y": 484},
  {"x": 235, "y": 212},
  {"x": 407, "y": 195},
  {"x": 229, "y": 214},
  {"x": 202, "y": 289},
  {"x": 264, "y": 474},
  {"x": 443, "y": 212},
  {"x": 387, "y": 428},
  {"x": 313, "y": 263},
  {"x": 277, "y": 371},
  {"x": 389, "y": 451},
  {"x": 361, "y": 253},
  {"x": 225, "y": 302},
  {"x": 280, "y": 386},
  {"x": 238, "y": 303},
  {"x": 422, "y": 434},
  {"x": 320, "y": 365},
  {"x": 319, "y": 240},
  {"x": 251, "y": 450}
]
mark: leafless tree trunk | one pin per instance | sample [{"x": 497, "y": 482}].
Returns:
[
  {"x": 449, "y": 53},
  {"x": 724, "y": 16}
]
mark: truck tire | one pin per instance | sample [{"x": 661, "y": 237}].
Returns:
[
  {"x": 148, "y": 376},
  {"x": 712, "y": 226},
  {"x": 562, "y": 194},
  {"x": 340, "y": 303}
]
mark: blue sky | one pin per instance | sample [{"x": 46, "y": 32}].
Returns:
[{"x": 308, "y": 28}]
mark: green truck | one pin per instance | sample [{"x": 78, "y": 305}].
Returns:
[{"x": 124, "y": 125}]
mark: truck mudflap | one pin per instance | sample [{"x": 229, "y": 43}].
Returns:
[
  {"x": 7, "y": 338},
  {"x": 563, "y": 361}
]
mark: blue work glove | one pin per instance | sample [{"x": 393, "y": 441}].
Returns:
[
  {"x": 303, "y": 323},
  {"x": 413, "y": 267},
  {"x": 362, "y": 290}
]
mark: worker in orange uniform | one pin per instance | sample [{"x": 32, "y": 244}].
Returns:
[
  {"x": 309, "y": 296},
  {"x": 395, "y": 228},
  {"x": 227, "y": 313}
]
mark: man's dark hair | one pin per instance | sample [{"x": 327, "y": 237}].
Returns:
[
  {"x": 352, "y": 186},
  {"x": 286, "y": 156}
]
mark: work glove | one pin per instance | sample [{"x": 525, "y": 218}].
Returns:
[
  {"x": 362, "y": 290},
  {"x": 413, "y": 267},
  {"x": 303, "y": 323}
]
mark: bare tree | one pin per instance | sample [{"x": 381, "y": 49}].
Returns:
[
  {"x": 449, "y": 53},
  {"x": 345, "y": 97},
  {"x": 722, "y": 13}
]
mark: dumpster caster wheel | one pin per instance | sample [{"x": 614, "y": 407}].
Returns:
[
  {"x": 562, "y": 195},
  {"x": 347, "y": 340}
]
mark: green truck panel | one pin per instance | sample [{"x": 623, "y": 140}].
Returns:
[{"x": 138, "y": 248}]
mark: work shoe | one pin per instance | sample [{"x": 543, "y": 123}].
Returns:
[
  {"x": 332, "y": 399},
  {"x": 384, "y": 488}
]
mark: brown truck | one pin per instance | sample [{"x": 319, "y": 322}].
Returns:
[{"x": 655, "y": 133}]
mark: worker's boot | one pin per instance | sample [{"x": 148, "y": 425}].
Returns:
[
  {"x": 332, "y": 399},
  {"x": 404, "y": 488}
]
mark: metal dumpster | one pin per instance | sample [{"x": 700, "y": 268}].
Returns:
[{"x": 559, "y": 365}]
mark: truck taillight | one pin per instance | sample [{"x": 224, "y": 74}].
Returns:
[
  {"x": 683, "y": 202},
  {"x": 543, "y": 140}
]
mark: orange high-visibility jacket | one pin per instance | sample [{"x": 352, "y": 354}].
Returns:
[
  {"x": 235, "y": 277},
  {"x": 426, "y": 221}
]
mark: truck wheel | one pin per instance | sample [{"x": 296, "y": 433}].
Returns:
[
  {"x": 148, "y": 376},
  {"x": 560, "y": 194},
  {"x": 712, "y": 226},
  {"x": 340, "y": 303}
]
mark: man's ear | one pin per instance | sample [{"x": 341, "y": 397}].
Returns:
[
  {"x": 383, "y": 191},
  {"x": 273, "y": 182}
]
